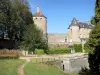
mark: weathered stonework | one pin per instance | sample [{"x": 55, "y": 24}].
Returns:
[
  {"x": 74, "y": 63},
  {"x": 76, "y": 30}
]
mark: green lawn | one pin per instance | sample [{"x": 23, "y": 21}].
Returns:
[
  {"x": 35, "y": 68},
  {"x": 41, "y": 69},
  {"x": 10, "y": 67},
  {"x": 38, "y": 60}
]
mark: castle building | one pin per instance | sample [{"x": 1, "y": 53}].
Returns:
[
  {"x": 77, "y": 31},
  {"x": 40, "y": 21}
]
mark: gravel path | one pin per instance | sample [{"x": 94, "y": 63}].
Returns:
[{"x": 20, "y": 69}]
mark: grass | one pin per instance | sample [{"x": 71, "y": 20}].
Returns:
[
  {"x": 10, "y": 67},
  {"x": 35, "y": 68},
  {"x": 38, "y": 60},
  {"x": 41, "y": 69}
]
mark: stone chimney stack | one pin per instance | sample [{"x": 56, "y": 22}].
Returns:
[{"x": 38, "y": 9}]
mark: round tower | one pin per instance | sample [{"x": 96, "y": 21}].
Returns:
[{"x": 40, "y": 20}]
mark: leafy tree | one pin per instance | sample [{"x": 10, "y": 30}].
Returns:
[
  {"x": 94, "y": 43},
  {"x": 19, "y": 18},
  {"x": 15, "y": 17},
  {"x": 4, "y": 9},
  {"x": 33, "y": 39}
]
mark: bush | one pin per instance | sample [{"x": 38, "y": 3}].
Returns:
[
  {"x": 85, "y": 71},
  {"x": 39, "y": 51},
  {"x": 78, "y": 47},
  {"x": 10, "y": 57},
  {"x": 6, "y": 52},
  {"x": 59, "y": 50}
]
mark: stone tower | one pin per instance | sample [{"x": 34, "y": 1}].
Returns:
[
  {"x": 74, "y": 30},
  {"x": 40, "y": 21}
]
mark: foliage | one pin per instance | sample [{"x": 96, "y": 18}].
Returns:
[
  {"x": 19, "y": 18},
  {"x": 33, "y": 39},
  {"x": 84, "y": 71},
  {"x": 9, "y": 57},
  {"x": 78, "y": 47},
  {"x": 93, "y": 43},
  {"x": 59, "y": 50},
  {"x": 16, "y": 23},
  {"x": 15, "y": 17},
  {"x": 94, "y": 61},
  {"x": 39, "y": 51},
  {"x": 10, "y": 67},
  {"x": 5, "y": 52}
]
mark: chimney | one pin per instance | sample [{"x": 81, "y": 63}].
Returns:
[{"x": 38, "y": 9}]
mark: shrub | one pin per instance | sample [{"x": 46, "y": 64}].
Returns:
[
  {"x": 39, "y": 51},
  {"x": 10, "y": 57},
  {"x": 59, "y": 50},
  {"x": 6, "y": 52},
  {"x": 78, "y": 47},
  {"x": 85, "y": 71}
]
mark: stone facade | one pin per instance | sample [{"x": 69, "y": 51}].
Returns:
[
  {"x": 74, "y": 63},
  {"x": 40, "y": 21},
  {"x": 57, "y": 38},
  {"x": 77, "y": 31}
]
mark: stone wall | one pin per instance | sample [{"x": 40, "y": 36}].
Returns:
[
  {"x": 74, "y": 63},
  {"x": 55, "y": 39}
]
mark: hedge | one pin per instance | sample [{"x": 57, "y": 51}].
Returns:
[
  {"x": 39, "y": 51},
  {"x": 59, "y": 50},
  {"x": 10, "y": 57},
  {"x": 78, "y": 47}
]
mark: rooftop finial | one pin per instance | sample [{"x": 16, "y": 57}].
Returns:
[{"x": 38, "y": 9}]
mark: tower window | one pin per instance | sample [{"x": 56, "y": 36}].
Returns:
[{"x": 40, "y": 18}]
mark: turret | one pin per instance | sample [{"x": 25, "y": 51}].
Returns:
[{"x": 74, "y": 30}]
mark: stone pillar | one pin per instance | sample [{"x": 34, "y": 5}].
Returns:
[{"x": 67, "y": 66}]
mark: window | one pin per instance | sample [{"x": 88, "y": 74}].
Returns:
[
  {"x": 65, "y": 39},
  {"x": 40, "y": 18}
]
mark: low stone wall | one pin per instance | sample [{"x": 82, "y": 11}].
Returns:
[{"x": 74, "y": 63}]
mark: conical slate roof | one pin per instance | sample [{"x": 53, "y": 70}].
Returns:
[{"x": 74, "y": 22}]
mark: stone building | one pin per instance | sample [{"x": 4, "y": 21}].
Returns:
[
  {"x": 77, "y": 31},
  {"x": 40, "y": 21}
]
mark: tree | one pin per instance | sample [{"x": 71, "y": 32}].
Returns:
[
  {"x": 15, "y": 16},
  {"x": 19, "y": 18},
  {"x": 33, "y": 39},
  {"x": 4, "y": 9},
  {"x": 94, "y": 42}
]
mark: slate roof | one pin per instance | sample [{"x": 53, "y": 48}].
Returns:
[
  {"x": 75, "y": 22},
  {"x": 85, "y": 25}
]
